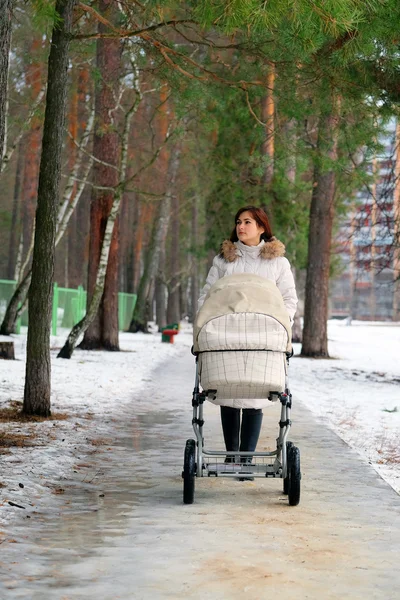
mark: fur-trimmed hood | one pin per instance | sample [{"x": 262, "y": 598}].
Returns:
[{"x": 267, "y": 250}]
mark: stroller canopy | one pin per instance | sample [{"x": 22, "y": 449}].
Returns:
[{"x": 242, "y": 293}]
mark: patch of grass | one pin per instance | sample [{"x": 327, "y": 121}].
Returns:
[
  {"x": 389, "y": 452},
  {"x": 347, "y": 421},
  {"x": 14, "y": 413},
  {"x": 100, "y": 441},
  {"x": 15, "y": 440}
]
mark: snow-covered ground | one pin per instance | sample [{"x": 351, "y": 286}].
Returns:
[{"x": 357, "y": 394}]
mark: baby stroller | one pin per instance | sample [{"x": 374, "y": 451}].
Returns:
[{"x": 242, "y": 344}]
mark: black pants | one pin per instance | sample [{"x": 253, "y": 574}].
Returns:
[{"x": 241, "y": 436}]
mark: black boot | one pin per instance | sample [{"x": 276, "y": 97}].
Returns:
[
  {"x": 230, "y": 419},
  {"x": 249, "y": 434}
]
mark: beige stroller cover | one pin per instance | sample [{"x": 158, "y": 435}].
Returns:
[{"x": 242, "y": 333}]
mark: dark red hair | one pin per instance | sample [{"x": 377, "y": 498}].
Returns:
[{"x": 260, "y": 217}]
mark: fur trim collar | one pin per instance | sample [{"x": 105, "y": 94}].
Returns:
[{"x": 271, "y": 249}]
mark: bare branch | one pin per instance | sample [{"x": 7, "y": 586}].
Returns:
[
  {"x": 93, "y": 158},
  {"x": 123, "y": 33}
]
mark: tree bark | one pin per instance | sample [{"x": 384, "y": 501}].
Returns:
[
  {"x": 396, "y": 241},
  {"x": 128, "y": 267},
  {"x": 103, "y": 331},
  {"x": 7, "y": 350},
  {"x": 174, "y": 308},
  {"x": 85, "y": 115},
  {"x": 315, "y": 338},
  {"x": 297, "y": 331},
  {"x": 290, "y": 138},
  {"x": 161, "y": 292},
  {"x": 134, "y": 276},
  {"x": 38, "y": 367},
  {"x": 32, "y": 141},
  {"x": 194, "y": 277},
  {"x": 15, "y": 219},
  {"x": 268, "y": 116},
  {"x": 72, "y": 241},
  {"x": 5, "y": 40}
]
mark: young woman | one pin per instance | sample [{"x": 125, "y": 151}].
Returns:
[{"x": 251, "y": 249}]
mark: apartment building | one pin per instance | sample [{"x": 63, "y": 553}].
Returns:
[{"x": 368, "y": 242}]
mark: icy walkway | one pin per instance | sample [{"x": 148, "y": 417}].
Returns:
[{"x": 127, "y": 535}]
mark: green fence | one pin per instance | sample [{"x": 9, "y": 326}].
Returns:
[{"x": 69, "y": 306}]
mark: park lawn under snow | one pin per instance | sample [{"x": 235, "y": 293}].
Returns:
[{"x": 357, "y": 394}]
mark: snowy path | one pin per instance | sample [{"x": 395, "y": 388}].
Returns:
[{"x": 122, "y": 533}]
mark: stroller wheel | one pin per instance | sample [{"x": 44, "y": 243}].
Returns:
[
  {"x": 294, "y": 476},
  {"x": 289, "y": 446},
  {"x": 189, "y": 471}
]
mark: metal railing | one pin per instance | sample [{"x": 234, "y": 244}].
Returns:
[{"x": 69, "y": 306}]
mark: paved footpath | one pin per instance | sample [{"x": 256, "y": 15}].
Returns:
[{"x": 127, "y": 535}]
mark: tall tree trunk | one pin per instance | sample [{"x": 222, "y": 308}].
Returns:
[
  {"x": 15, "y": 219},
  {"x": 81, "y": 250},
  {"x": 103, "y": 331},
  {"x": 5, "y": 39},
  {"x": 32, "y": 141},
  {"x": 128, "y": 266},
  {"x": 72, "y": 239},
  {"x": 194, "y": 267},
  {"x": 268, "y": 145},
  {"x": 396, "y": 211},
  {"x": 160, "y": 287},
  {"x": 134, "y": 271},
  {"x": 315, "y": 338},
  {"x": 159, "y": 232},
  {"x": 268, "y": 114},
  {"x": 297, "y": 331},
  {"x": 38, "y": 367},
  {"x": 289, "y": 131},
  {"x": 174, "y": 307},
  {"x": 125, "y": 241},
  {"x": 137, "y": 244},
  {"x": 161, "y": 292}
]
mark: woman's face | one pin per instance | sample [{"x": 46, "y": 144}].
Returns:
[{"x": 248, "y": 230}]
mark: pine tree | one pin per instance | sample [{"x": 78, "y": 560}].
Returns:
[{"x": 38, "y": 368}]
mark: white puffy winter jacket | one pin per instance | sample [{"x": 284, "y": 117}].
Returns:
[{"x": 267, "y": 260}]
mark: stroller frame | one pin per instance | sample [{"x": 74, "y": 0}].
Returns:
[{"x": 200, "y": 462}]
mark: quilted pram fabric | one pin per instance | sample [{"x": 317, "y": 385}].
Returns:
[{"x": 242, "y": 333}]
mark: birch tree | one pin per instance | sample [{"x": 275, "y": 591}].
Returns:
[
  {"x": 103, "y": 329},
  {"x": 71, "y": 196},
  {"x": 80, "y": 328},
  {"x": 5, "y": 39}
]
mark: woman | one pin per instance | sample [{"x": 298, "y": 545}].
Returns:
[{"x": 251, "y": 249}]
